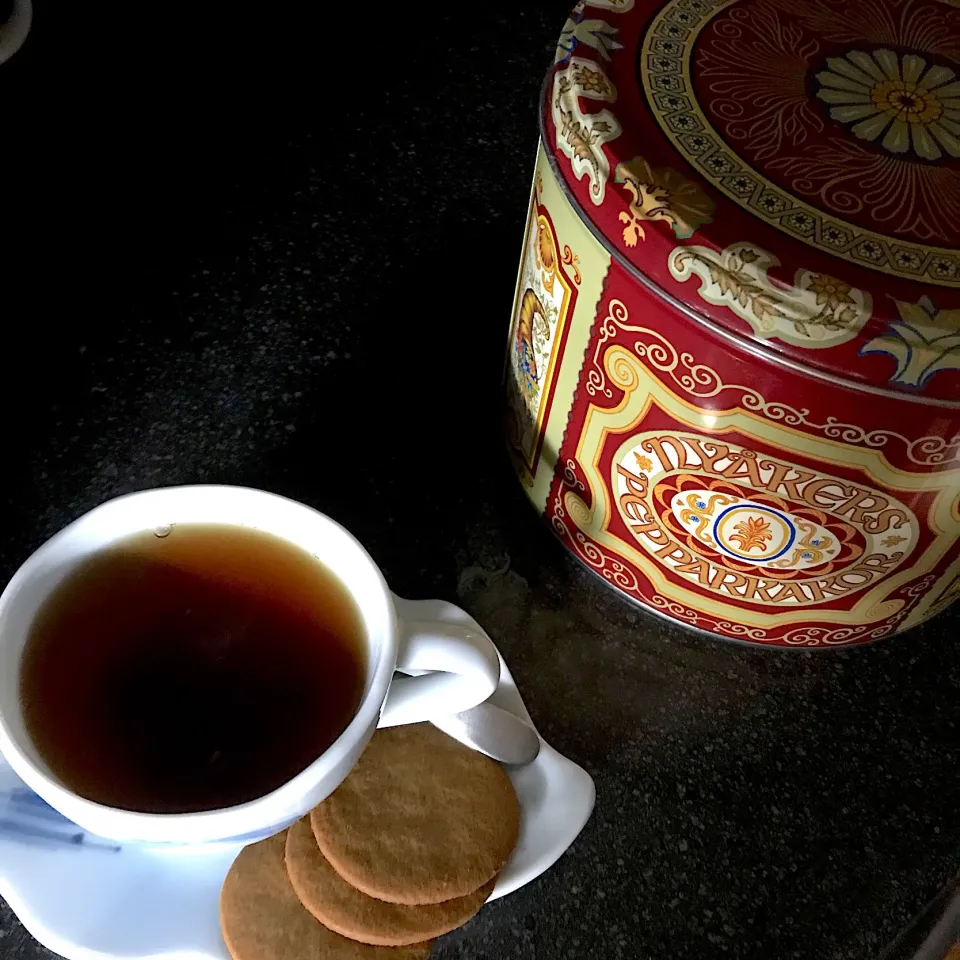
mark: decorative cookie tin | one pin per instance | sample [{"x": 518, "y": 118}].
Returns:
[{"x": 733, "y": 376}]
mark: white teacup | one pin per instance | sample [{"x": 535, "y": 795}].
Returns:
[{"x": 454, "y": 668}]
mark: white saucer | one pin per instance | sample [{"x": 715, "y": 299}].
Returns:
[{"x": 87, "y": 898}]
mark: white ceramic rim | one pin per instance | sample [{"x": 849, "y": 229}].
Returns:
[{"x": 380, "y": 626}]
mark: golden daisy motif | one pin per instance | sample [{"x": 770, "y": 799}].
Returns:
[
  {"x": 829, "y": 291},
  {"x": 913, "y": 106},
  {"x": 593, "y": 81}
]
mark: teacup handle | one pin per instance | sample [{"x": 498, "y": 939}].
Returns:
[{"x": 454, "y": 668}]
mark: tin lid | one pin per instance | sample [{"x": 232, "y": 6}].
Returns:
[{"x": 788, "y": 171}]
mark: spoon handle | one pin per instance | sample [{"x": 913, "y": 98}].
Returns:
[{"x": 492, "y": 731}]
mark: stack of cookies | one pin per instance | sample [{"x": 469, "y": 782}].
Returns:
[{"x": 406, "y": 849}]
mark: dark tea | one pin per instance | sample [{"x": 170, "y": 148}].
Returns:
[{"x": 190, "y": 669}]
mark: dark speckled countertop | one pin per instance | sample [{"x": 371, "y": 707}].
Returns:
[{"x": 278, "y": 249}]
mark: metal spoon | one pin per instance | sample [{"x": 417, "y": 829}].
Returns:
[{"x": 493, "y": 731}]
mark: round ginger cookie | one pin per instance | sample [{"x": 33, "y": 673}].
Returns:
[
  {"x": 420, "y": 819},
  {"x": 343, "y": 908},
  {"x": 262, "y": 919}
]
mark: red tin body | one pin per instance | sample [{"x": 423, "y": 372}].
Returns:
[{"x": 733, "y": 373}]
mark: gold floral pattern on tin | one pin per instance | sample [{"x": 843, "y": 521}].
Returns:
[
  {"x": 579, "y": 135},
  {"x": 752, "y": 533},
  {"x": 661, "y": 194},
  {"x": 817, "y": 311},
  {"x": 592, "y": 80}
]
